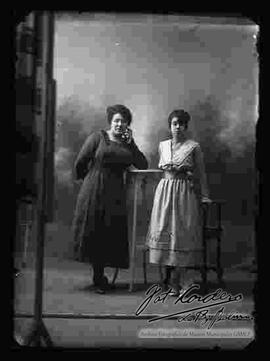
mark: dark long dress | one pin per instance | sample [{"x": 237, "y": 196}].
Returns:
[{"x": 100, "y": 218}]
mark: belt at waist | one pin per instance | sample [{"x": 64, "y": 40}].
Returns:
[{"x": 177, "y": 175}]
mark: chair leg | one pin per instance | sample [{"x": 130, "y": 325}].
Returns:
[
  {"x": 115, "y": 275},
  {"x": 144, "y": 267},
  {"x": 220, "y": 275},
  {"x": 204, "y": 278},
  {"x": 204, "y": 245},
  {"x": 219, "y": 268},
  {"x": 160, "y": 274},
  {"x": 204, "y": 267}
]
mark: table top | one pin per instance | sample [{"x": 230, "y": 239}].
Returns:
[{"x": 145, "y": 171}]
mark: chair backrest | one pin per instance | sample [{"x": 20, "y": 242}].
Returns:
[{"x": 212, "y": 213}]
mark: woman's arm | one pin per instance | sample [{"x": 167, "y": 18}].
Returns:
[
  {"x": 86, "y": 153},
  {"x": 139, "y": 160}
]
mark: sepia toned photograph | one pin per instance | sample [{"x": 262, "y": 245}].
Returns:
[{"x": 136, "y": 181}]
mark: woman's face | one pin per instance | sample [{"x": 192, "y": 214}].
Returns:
[
  {"x": 118, "y": 124},
  {"x": 177, "y": 127}
]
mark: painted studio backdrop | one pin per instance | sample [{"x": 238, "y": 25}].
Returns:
[{"x": 154, "y": 65}]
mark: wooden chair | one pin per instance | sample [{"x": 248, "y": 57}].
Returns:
[{"x": 210, "y": 233}]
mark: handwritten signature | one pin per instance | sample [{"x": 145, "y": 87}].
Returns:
[
  {"x": 204, "y": 316},
  {"x": 155, "y": 295}
]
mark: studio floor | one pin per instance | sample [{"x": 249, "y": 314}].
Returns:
[{"x": 68, "y": 289}]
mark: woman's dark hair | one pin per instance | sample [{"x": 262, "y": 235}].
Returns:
[
  {"x": 181, "y": 115},
  {"x": 119, "y": 108}
]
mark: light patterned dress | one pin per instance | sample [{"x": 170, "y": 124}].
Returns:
[{"x": 174, "y": 234}]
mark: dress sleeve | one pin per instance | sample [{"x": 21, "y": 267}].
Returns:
[
  {"x": 139, "y": 160},
  {"x": 200, "y": 174},
  {"x": 86, "y": 153},
  {"x": 160, "y": 163},
  {"x": 164, "y": 156}
]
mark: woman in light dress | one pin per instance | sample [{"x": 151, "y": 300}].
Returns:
[{"x": 174, "y": 234}]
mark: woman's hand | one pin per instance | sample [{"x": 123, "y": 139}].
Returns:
[
  {"x": 206, "y": 200},
  {"x": 169, "y": 167},
  {"x": 78, "y": 182},
  {"x": 127, "y": 135}
]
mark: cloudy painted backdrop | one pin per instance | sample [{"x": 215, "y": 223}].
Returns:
[{"x": 154, "y": 65}]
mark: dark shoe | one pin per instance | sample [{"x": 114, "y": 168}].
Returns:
[
  {"x": 176, "y": 291},
  {"x": 16, "y": 272},
  {"x": 100, "y": 281},
  {"x": 165, "y": 286},
  {"x": 102, "y": 285},
  {"x": 105, "y": 281},
  {"x": 100, "y": 291}
]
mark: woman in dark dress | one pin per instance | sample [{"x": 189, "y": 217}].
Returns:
[{"x": 100, "y": 219}]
